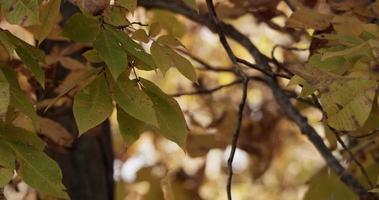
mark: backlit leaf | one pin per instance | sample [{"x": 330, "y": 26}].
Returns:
[
  {"x": 133, "y": 100},
  {"x": 132, "y": 47},
  {"x": 111, "y": 52},
  {"x": 92, "y": 105},
  {"x": 130, "y": 127},
  {"x": 5, "y": 176},
  {"x": 171, "y": 122}
]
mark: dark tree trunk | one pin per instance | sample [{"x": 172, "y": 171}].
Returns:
[{"x": 87, "y": 166}]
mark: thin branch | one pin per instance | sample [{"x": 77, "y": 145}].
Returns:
[
  {"x": 268, "y": 73},
  {"x": 205, "y": 64},
  {"x": 236, "y": 134},
  {"x": 345, "y": 176},
  {"x": 207, "y": 91},
  {"x": 352, "y": 157},
  {"x": 223, "y": 40}
]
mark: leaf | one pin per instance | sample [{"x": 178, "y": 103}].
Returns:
[
  {"x": 110, "y": 51},
  {"x": 170, "y": 23},
  {"x": 307, "y": 18},
  {"x": 81, "y": 28},
  {"x": 184, "y": 66},
  {"x": 348, "y": 104},
  {"x": 132, "y": 47},
  {"x": 131, "y": 5},
  {"x": 4, "y": 94},
  {"x": 24, "y": 12},
  {"x": 32, "y": 64},
  {"x": 6, "y": 175},
  {"x": 39, "y": 171},
  {"x": 133, "y": 100},
  {"x": 155, "y": 29},
  {"x": 130, "y": 127},
  {"x": 55, "y": 132},
  {"x": 92, "y": 105},
  {"x": 141, "y": 36},
  {"x": 169, "y": 41},
  {"x": 18, "y": 99},
  {"x": 161, "y": 56},
  {"x": 49, "y": 15},
  {"x": 18, "y": 135},
  {"x": 171, "y": 122},
  {"x": 164, "y": 57},
  {"x": 324, "y": 185},
  {"x": 116, "y": 16},
  {"x": 92, "y": 56},
  {"x": 7, "y": 157}
]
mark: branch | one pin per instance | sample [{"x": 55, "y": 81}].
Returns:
[
  {"x": 280, "y": 96},
  {"x": 361, "y": 168},
  {"x": 207, "y": 91}
]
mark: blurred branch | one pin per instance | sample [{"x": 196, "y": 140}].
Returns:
[
  {"x": 279, "y": 94},
  {"x": 205, "y": 64},
  {"x": 207, "y": 91},
  {"x": 290, "y": 5}
]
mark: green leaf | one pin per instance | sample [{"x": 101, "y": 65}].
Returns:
[
  {"x": 6, "y": 175},
  {"x": 164, "y": 57},
  {"x": 92, "y": 105},
  {"x": 130, "y": 127},
  {"x": 18, "y": 99},
  {"x": 171, "y": 121},
  {"x": 132, "y": 47},
  {"x": 24, "y": 12},
  {"x": 116, "y": 16},
  {"x": 81, "y": 28},
  {"x": 14, "y": 134},
  {"x": 131, "y": 5},
  {"x": 32, "y": 64},
  {"x": 92, "y": 56},
  {"x": 184, "y": 66},
  {"x": 170, "y": 23},
  {"x": 7, "y": 157},
  {"x": 110, "y": 51},
  {"x": 4, "y": 93},
  {"x": 49, "y": 14},
  {"x": 39, "y": 171},
  {"x": 161, "y": 56},
  {"x": 133, "y": 100},
  {"x": 141, "y": 36}
]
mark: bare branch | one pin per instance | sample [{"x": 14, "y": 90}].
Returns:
[{"x": 279, "y": 94}]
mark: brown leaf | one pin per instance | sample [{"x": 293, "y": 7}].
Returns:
[{"x": 55, "y": 132}]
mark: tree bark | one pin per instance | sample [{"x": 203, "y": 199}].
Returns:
[{"x": 87, "y": 166}]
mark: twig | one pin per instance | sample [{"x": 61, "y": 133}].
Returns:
[
  {"x": 283, "y": 101},
  {"x": 223, "y": 40},
  {"x": 236, "y": 133},
  {"x": 205, "y": 64},
  {"x": 245, "y": 79},
  {"x": 207, "y": 91},
  {"x": 352, "y": 157}
]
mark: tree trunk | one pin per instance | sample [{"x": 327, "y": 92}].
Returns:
[{"x": 87, "y": 167}]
